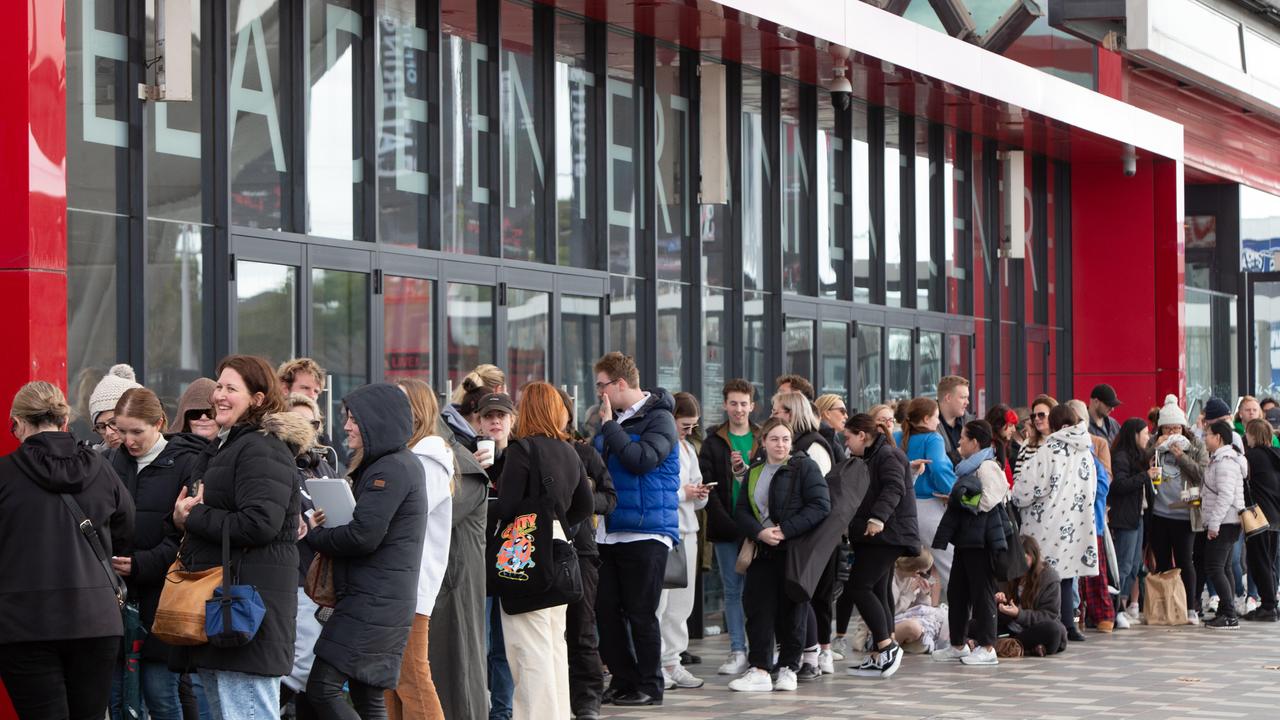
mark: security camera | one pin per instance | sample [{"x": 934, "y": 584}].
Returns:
[
  {"x": 1130, "y": 161},
  {"x": 841, "y": 90}
]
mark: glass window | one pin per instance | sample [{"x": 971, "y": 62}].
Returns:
[
  {"x": 755, "y": 172},
  {"x": 926, "y": 269},
  {"x": 576, "y": 89},
  {"x": 893, "y": 161},
  {"x": 624, "y": 315},
  {"x": 672, "y": 329},
  {"x": 794, "y": 184},
  {"x": 957, "y": 356},
  {"x": 174, "y": 182},
  {"x": 581, "y": 344},
  {"x": 523, "y": 175},
  {"x": 465, "y": 134},
  {"x": 929, "y": 368},
  {"x": 406, "y": 328},
  {"x": 833, "y": 174},
  {"x": 468, "y": 329},
  {"x": 340, "y": 331},
  {"x": 97, "y": 105},
  {"x": 757, "y": 334},
  {"x": 955, "y": 224},
  {"x": 715, "y": 308},
  {"x": 258, "y": 157},
  {"x": 900, "y": 374},
  {"x": 1037, "y": 369},
  {"x": 833, "y": 344},
  {"x": 672, "y": 180},
  {"x": 798, "y": 356},
  {"x": 1259, "y": 230},
  {"x": 174, "y": 286},
  {"x": 1202, "y": 245},
  {"x": 864, "y": 249},
  {"x": 870, "y": 365},
  {"x": 92, "y": 241},
  {"x": 1007, "y": 330},
  {"x": 1211, "y": 343},
  {"x": 335, "y": 78},
  {"x": 624, "y": 113},
  {"x": 528, "y": 336},
  {"x": 404, "y": 163},
  {"x": 713, "y": 234},
  {"x": 1266, "y": 338},
  {"x": 266, "y": 310}
]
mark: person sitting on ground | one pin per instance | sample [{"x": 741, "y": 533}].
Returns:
[
  {"x": 1029, "y": 607},
  {"x": 919, "y": 623}
]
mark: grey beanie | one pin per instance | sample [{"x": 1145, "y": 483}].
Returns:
[
  {"x": 114, "y": 384},
  {"x": 1171, "y": 414}
]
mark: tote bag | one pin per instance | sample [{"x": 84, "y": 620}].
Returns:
[{"x": 1166, "y": 599}]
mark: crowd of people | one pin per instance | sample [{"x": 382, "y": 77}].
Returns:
[{"x": 495, "y": 561}]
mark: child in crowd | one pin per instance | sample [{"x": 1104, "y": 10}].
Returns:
[{"x": 918, "y": 622}]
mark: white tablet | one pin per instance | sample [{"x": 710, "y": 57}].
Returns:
[{"x": 333, "y": 496}]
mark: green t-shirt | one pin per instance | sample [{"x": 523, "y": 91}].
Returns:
[{"x": 741, "y": 443}]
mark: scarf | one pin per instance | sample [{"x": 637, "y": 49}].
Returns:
[{"x": 969, "y": 465}]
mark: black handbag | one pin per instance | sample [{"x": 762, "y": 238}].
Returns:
[
  {"x": 676, "y": 575},
  {"x": 1011, "y": 563},
  {"x": 529, "y": 568}
]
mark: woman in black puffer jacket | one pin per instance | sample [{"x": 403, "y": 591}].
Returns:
[
  {"x": 376, "y": 559},
  {"x": 883, "y": 529},
  {"x": 248, "y": 487},
  {"x": 1264, "y": 489}
]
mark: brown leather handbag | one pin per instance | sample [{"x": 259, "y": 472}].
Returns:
[
  {"x": 319, "y": 583},
  {"x": 180, "y": 616}
]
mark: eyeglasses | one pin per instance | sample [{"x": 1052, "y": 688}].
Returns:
[
  {"x": 842, "y": 411},
  {"x": 198, "y": 414},
  {"x": 601, "y": 386},
  {"x": 100, "y": 428},
  {"x": 1039, "y": 415}
]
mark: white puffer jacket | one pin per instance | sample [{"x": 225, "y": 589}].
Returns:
[{"x": 1222, "y": 497}]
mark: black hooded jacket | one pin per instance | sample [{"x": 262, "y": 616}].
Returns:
[
  {"x": 155, "y": 539},
  {"x": 54, "y": 587},
  {"x": 377, "y": 556},
  {"x": 889, "y": 499},
  {"x": 605, "y": 497}
]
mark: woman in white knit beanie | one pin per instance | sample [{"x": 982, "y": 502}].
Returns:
[{"x": 102, "y": 403}]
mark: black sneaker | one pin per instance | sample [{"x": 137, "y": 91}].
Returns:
[
  {"x": 807, "y": 672},
  {"x": 890, "y": 659},
  {"x": 1262, "y": 615},
  {"x": 1223, "y": 622}
]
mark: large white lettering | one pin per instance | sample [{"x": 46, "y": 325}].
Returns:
[
  {"x": 678, "y": 105},
  {"x": 519, "y": 109},
  {"x": 340, "y": 19},
  {"x": 406, "y": 40},
  {"x": 258, "y": 102},
  {"x": 623, "y": 217},
  {"x": 479, "y": 122}
]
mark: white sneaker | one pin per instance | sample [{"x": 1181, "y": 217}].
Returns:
[
  {"x": 951, "y": 654},
  {"x": 827, "y": 662},
  {"x": 1212, "y": 606},
  {"x": 1240, "y": 604},
  {"x": 735, "y": 665},
  {"x": 681, "y": 678},
  {"x": 1193, "y": 617},
  {"x": 1134, "y": 612},
  {"x": 1250, "y": 605},
  {"x": 667, "y": 682},
  {"x": 840, "y": 647},
  {"x": 981, "y": 656},
  {"x": 786, "y": 681},
  {"x": 1122, "y": 621},
  {"x": 753, "y": 680}
]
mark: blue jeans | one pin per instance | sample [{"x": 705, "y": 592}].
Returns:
[
  {"x": 202, "y": 702},
  {"x": 1128, "y": 559},
  {"x": 734, "y": 618},
  {"x": 159, "y": 692},
  {"x": 241, "y": 696},
  {"x": 502, "y": 687}
]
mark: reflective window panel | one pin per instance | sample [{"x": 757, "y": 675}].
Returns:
[
  {"x": 864, "y": 247},
  {"x": 468, "y": 330},
  {"x": 794, "y": 187},
  {"x": 672, "y": 329},
  {"x": 467, "y": 124},
  {"x": 335, "y": 80},
  {"x": 406, "y": 328},
  {"x": 797, "y": 357},
  {"x": 900, "y": 376},
  {"x": 893, "y": 162},
  {"x": 672, "y": 182},
  {"x": 833, "y": 354},
  {"x": 523, "y": 174},
  {"x": 926, "y": 267},
  {"x": 528, "y": 337},
  {"x": 929, "y": 367},
  {"x": 259, "y": 125},
  {"x": 97, "y": 104},
  {"x": 715, "y": 309},
  {"x": 755, "y": 172},
  {"x": 833, "y": 197},
  {"x": 266, "y": 310},
  {"x": 174, "y": 286},
  {"x": 624, "y": 114},
  {"x": 92, "y": 243},
  {"x": 624, "y": 315},
  {"x": 174, "y": 183},
  {"x": 404, "y": 164},
  {"x": 581, "y": 344},
  {"x": 340, "y": 329},
  {"x": 870, "y": 365},
  {"x": 577, "y": 90},
  {"x": 757, "y": 334}
]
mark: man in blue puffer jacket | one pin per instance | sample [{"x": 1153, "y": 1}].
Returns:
[{"x": 638, "y": 441}]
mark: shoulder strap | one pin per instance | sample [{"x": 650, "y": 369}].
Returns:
[
  {"x": 535, "y": 459},
  {"x": 90, "y": 534}
]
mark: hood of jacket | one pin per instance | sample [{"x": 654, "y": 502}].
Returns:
[
  {"x": 875, "y": 446},
  {"x": 659, "y": 399},
  {"x": 450, "y": 415},
  {"x": 1075, "y": 437},
  {"x": 437, "y": 450},
  {"x": 1228, "y": 453},
  {"x": 55, "y": 462},
  {"x": 293, "y": 429},
  {"x": 197, "y": 396},
  {"x": 186, "y": 442},
  {"x": 385, "y": 419}
]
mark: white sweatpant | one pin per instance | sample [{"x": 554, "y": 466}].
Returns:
[
  {"x": 675, "y": 606},
  {"x": 539, "y": 661},
  {"x": 928, "y": 515}
]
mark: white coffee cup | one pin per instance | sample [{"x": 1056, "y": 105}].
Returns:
[{"x": 489, "y": 445}]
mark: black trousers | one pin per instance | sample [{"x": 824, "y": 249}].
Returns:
[
  {"x": 1260, "y": 556},
  {"x": 1172, "y": 542},
  {"x": 324, "y": 690},
  {"x": 772, "y": 616},
  {"x": 627, "y": 614},
  {"x": 586, "y": 673},
  {"x": 1049, "y": 634},
  {"x": 844, "y": 610},
  {"x": 60, "y": 679},
  {"x": 871, "y": 584},
  {"x": 1067, "y": 607},
  {"x": 1217, "y": 556},
  {"x": 823, "y": 600},
  {"x": 971, "y": 592}
]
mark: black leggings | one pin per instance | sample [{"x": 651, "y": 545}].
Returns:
[
  {"x": 324, "y": 690},
  {"x": 60, "y": 678},
  {"x": 1171, "y": 543},
  {"x": 823, "y": 601},
  {"x": 971, "y": 592},
  {"x": 1217, "y": 555},
  {"x": 1068, "y": 606},
  {"x": 871, "y": 584},
  {"x": 1260, "y": 555}
]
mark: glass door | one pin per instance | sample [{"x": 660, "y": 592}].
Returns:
[
  {"x": 1264, "y": 292},
  {"x": 817, "y": 343}
]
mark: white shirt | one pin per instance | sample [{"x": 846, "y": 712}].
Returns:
[{"x": 603, "y": 536}]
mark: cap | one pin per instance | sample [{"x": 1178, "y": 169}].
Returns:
[
  {"x": 495, "y": 401},
  {"x": 1273, "y": 417},
  {"x": 1216, "y": 408},
  {"x": 1106, "y": 394}
]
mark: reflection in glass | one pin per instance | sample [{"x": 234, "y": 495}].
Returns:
[
  {"x": 899, "y": 364},
  {"x": 258, "y": 126},
  {"x": 624, "y": 113},
  {"x": 576, "y": 90},
  {"x": 926, "y": 268},
  {"x": 1037, "y": 369},
  {"x": 833, "y": 345},
  {"x": 528, "y": 336},
  {"x": 863, "y": 248},
  {"x": 174, "y": 288},
  {"x": 1266, "y": 338},
  {"x": 832, "y": 174},
  {"x": 929, "y": 367},
  {"x": 97, "y": 105},
  {"x": 466, "y": 139},
  {"x": 581, "y": 344},
  {"x": 794, "y": 183},
  {"x": 406, "y": 332},
  {"x": 797, "y": 358},
  {"x": 522, "y": 170},
  {"x": 870, "y": 366},
  {"x": 624, "y": 328},
  {"x": 957, "y": 356},
  {"x": 757, "y": 334},
  {"x": 403, "y": 166},
  {"x": 954, "y": 231},
  {"x": 468, "y": 329},
  {"x": 672, "y": 329},
  {"x": 340, "y": 328},
  {"x": 671, "y": 182},
  {"x": 334, "y": 93},
  {"x": 755, "y": 171},
  {"x": 1211, "y": 345},
  {"x": 893, "y": 161},
  {"x": 266, "y": 310},
  {"x": 91, "y": 308},
  {"x": 174, "y": 189},
  {"x": 715, "y": 304}
]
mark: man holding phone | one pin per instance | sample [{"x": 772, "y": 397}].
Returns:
[{"x": 726, "y": 453}]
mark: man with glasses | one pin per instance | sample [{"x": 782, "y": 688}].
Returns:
[{"x": 639, "y": 444}]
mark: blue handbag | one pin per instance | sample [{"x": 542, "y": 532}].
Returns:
[{"x": 234, "y": 613}]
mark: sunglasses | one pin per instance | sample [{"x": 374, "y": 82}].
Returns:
[
  {"x": 842, "y": 411},
  {"x": 197, "y": 414},
  {"x": 1039, "y": 415}
]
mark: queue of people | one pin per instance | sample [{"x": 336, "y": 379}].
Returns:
[{"x": 491, "y": 561}]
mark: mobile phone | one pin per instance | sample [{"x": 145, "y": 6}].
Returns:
[{"x": 710, "y": 484}]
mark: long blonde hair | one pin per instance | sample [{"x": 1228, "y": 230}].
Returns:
[
  {"x": 425, "y": 407},
  {"x": 486, "y": 376}
]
